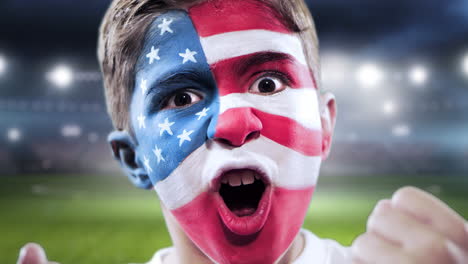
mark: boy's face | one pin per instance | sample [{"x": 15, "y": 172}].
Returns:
[{"x": 225, "y": 112}]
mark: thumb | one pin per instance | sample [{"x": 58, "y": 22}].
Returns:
[{"x": 32, "y": 253}]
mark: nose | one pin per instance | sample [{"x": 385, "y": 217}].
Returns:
[{"x": 237, "y": 126}]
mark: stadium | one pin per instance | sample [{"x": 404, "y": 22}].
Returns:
[{"x": 399, "y": 71}]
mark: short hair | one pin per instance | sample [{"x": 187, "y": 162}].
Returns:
[{"x": 123, "y": 31}]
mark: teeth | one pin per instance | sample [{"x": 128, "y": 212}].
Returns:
[
  {"x": 248, "y": 177},
  {"x": 224, "y": 180},
  {"x": 234, "y": 179},
  {"x": 237, "y": 178}
]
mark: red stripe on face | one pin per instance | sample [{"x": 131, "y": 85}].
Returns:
[
  {"x": 236, "y": 75},
  {"x": 291, "y": 134},
  {"x": 235, "y": 15},
  {"x": 236, "y": 124},
  {"x": 201, "y": 221}
]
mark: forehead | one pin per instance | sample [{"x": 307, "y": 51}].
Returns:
[
  {"x": 215, "y": 17},
  {"x": 214, "y": 30},
  {"x": 169, "y": 37}
]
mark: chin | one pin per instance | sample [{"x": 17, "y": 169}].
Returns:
[{"x": 255, "y": 222}]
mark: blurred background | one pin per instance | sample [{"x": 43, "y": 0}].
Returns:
[{"x": 399, "y": 70}]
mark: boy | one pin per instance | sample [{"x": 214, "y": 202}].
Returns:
[{"x": 217, "y": 106}]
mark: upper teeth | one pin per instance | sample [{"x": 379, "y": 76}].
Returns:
[{"x": 237, "y": 178}]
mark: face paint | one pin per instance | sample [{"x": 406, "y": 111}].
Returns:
[{"x": 224, "y": 96}]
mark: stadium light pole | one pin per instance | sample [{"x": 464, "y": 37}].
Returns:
[
  {"x": 369, "y": 75},
  {"x": 3, "y": 64},
  {"x": 61, "y": 76},
  {"x": 418, "y": 75}
]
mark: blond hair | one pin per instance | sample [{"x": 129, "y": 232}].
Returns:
[{"x": 123, "y": 31}]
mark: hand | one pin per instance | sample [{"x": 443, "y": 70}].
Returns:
[
  {"x": 412, "y": 227},
  {"x": 33, "y": 253}
]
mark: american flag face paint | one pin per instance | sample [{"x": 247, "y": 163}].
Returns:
[{"x": 225, "y": 112}]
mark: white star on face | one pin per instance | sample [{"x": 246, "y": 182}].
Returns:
[
  {"x": 188, "y": 56},
  {"x": 143, "y": 86},
  {"x": 185, "y": 136},
  {"x": 166, "y": 126},
  {"x": 158, "y": 153},
  {"x": 153, "y": 55},
  {"x": 147, "y": 165},
  {"x": 164, "y": 26},
  {"x": 202, "y": 113},
  {"x": 141, "y": 121}
]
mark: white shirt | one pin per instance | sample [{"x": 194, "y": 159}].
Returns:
[{"x": 316, "y": 251}]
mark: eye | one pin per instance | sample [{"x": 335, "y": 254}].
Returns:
[
  {"x": 182, "y": 99},
  {"x": 268, "y": 85}
]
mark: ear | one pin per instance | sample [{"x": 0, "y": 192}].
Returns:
[
  {"x": 123, "y": 150},
  {"x": 328, "y": 118}
]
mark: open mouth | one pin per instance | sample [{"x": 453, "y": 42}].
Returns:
[
  {"x": 241, "y": 191},
  {"x": 243, "y": 200}
]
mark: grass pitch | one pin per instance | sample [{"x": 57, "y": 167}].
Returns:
[{"x": 103, "y": 219}]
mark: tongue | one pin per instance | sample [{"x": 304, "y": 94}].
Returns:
[{"x": 244, "y": 211}]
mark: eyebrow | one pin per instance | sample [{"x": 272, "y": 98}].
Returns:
[
  {"x": 260, "y": 58},
  {"x": 174, "y": 79},
  {"x": 240, "y": 68}
]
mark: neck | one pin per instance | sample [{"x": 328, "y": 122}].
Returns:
[{"x": 187, "y": 252}]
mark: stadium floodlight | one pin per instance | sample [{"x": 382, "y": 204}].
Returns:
[
  {"x": 401, "y": 130},
  {"x": 418, "y": 75},
  {"x": 465, "y": 64},
  {"x": 389, "y": 108},
  {"x": 3, "y": 64},
  {"x": 61, "y": 76},
  {"x": 71, "y": 131},
  {"x": 369, "y": 75},
  {"x": 14, "y": 134}
]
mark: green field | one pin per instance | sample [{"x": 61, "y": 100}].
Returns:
[{"x": 103, "y": 219}]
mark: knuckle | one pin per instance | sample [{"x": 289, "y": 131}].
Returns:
[
  {"x": 372, "y": 223},
  {"x": 405, "y": 194},
  {"x": 380, "y": 211},
  {"x": 381, "y": 208},
  {"x": 359, "y": 242},
  {"x": 360, "y": 246},
  {"x": 382, "y": 205}
]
